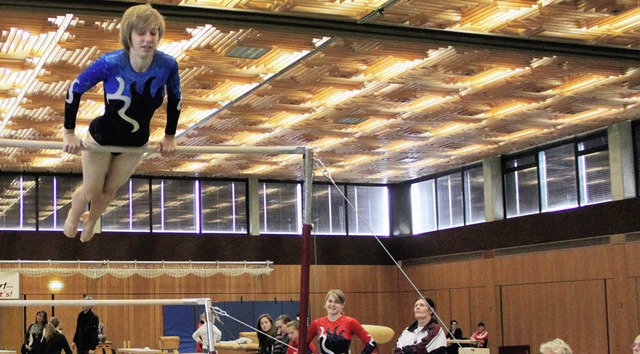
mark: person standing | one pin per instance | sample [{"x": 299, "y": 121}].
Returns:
[
  {"x": 135, "y": 79},
  {"x": 199, "y": 340},
  {"x": 86, "y": 336},
  {"x": 201, "y": 337},
  {"x": 336, "y": 330},
  {"x": 54, "y": 341},
  {"x": 33, "y": 336},
  {"x": 425, "y": 335}
]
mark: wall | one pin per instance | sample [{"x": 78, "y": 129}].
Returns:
[
  {"x": 369, "y": 290},
  {"x": 586, "y": 296}
]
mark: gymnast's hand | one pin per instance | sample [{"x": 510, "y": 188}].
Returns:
[
  {"x": 167, "y": 146},
  {"x": 71, "y": 143}
]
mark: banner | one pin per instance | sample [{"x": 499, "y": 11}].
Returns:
[{"x": 9, "y": 285}]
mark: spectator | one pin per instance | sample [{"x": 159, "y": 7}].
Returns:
[
  {"x": 33, "y": 335},
  {"x": 556, "y": 346},
  {"x": 86, "y": 336},
  {"x": 201, "y": 336},
  {"x": 199, "y": 341},
  {"x": 481, "y": 336},
  {"x": 454, "y": 333},
  {"x": 267, "y": 334},
  {"x": 54, "y": 341},
  {"x": 293, "y": 329},
  {"x": 425, "y": 335},
  {"x": 282, "y": 337}
]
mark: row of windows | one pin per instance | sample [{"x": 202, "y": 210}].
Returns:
[
  {"x": 566, "y": 175},
  {"x": 195, "y": 206},
  {"x": 448, "y": 201},
  {"x": 561, "y": 177}
]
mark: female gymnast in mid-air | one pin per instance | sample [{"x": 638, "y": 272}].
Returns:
[{"x": 135, "y": 79}]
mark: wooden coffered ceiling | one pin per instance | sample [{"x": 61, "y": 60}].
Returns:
[{"x": 384, "y": 91}]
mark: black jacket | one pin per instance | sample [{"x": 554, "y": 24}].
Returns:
[
  {"x": 86, "y": 337},
  {"x": 56, "y": 344}
]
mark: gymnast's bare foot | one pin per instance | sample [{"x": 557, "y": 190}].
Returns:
[
  {"x": 88, "y": 231},
  {"x": 70, "y": 228}
]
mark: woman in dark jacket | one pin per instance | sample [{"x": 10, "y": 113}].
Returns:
[
  {"x": 33, "y": 336},
  {"x": 266, "y": 334},
  {"x": 54, "y": 340}
]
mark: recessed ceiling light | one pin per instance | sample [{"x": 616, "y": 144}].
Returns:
[
  {"x": 350, "y": 120},
  {"x": 247, "y": 52}
]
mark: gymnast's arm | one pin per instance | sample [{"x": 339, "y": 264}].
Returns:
[
  {"x": 95, "y": 73},
  {"x": 167, "y": 145},
  {"x": 365, "y": 337},
  {"x": 312, "y": 331}
]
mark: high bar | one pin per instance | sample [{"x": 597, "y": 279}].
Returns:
[
  {"x": 114, "y": 302},
  {"x": 218, "y": 149}
]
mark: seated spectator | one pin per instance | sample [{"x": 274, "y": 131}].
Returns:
[
  {"x": 293, "y": 331},
  {"x": 267, "y": 334},
  {"x": 635, "y": 346},
  {"x": 282, "y": 337},
  {"x": 556, "y": 346},
  {"x": 424, "y": 336},
  {"x": 481, "y": 336},
  {"x": 454, "y": 333}
]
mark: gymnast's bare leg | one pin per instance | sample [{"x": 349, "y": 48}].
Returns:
[
  {"x": 102, "y": 174},
  {"x": 94, "y": 170},
  {"x": 120, "y": 169}
]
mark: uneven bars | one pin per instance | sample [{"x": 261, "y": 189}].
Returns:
[
  {"x": 219, "y": 149},
  {"x": 114, "y": 302}
]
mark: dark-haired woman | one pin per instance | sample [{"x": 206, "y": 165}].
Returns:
[{"x": 33, "y": 335}]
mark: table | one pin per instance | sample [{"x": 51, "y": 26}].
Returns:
[
  {"x": 7, "y": 352},
  {"x": 468, "y": 350},
  {"x": 139, "y": 351},
  {"x": 462, "y": 342}
]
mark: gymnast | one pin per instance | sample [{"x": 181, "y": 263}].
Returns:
[
  {"x": 134, "y": 80},
  {"x": 336, "y": 330}
]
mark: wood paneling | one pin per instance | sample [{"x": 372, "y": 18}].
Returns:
[
  {"x": 168, "y": 285},
  {"x": 460, "y": 310},
  {"x": 574, "y": 311},
  {"x": 12, "y": 327},
  {"x": 555, "y": 265},
  {"x": 633, "y": 258}
]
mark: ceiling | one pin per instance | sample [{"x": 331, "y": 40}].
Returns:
[{"x": 384, "y": 91}]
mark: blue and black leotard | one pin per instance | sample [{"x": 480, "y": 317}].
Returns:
[{"x": 130, "y": 98}]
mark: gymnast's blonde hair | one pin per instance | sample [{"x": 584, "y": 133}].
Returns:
[
  {"x": 556, "y": 346},
  {"x": 139, "y": 18}
]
